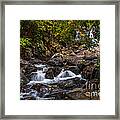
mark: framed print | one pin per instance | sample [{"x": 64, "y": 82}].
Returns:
[{"x": 60, "y": 60}]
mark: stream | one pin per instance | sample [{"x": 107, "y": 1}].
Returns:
[{"x": 39, "y": 87}]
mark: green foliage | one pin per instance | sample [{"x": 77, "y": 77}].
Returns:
[
  {"x": 48, "y": 36},
  {"x": 25, "y": 42}
]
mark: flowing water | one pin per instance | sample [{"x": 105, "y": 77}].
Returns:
[
  {"x": 38, "y": 77},
  {"x": 40, "y": 74}
]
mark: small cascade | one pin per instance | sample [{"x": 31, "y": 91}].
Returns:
[
  {"x": 77, "y": 37},
  {"x": 33, "y": 93},
  {"x": 65, "y": 74},
  {"x": 91, "y": 34},
  {"x": 38, "y": 87},
  {"x": 40, "y": 74},
  {"x": 40, "y": 65}
]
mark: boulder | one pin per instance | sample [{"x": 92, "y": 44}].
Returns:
[
  {"x": 52, "y": 72},
  {"x": 69, "y": 61},
  {"x": 35, "y": 61},
  {"x": 55, "y": 62},
  {"x": 23, "y": 62},
  {"x": 49, "y": 73},
  {"x": 74, "y": 69},
  {"x": 87, "y": 71},
  {"x": 56, "y": 70},
  {"x": 30, "y": 68}
]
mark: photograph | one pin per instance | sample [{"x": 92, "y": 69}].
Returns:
[{"x": 59, "y": 59}]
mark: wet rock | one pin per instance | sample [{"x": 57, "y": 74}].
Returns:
[
  {"x": 55, "y": 62},
  {"x": 66, "y": 84},
  {"x": 74, "y": 69},
  {"x": 90, "y": 58},
  {"x": 27, "y": 70},
  {"x": 30, "y": 68},
  {"x": 81, "y": 66},
  {"x": 23, "y": 79},
  {"x": 49, "y": 74},
  {"x": 96, "y": 73},
  {"x": 82, "y": 81},
  {"x": 26, "y": 67},
  {"x": 35, "y": 61},
  {"x": 23, "y": 62},
  {"x": 87, "y": 71},
  {"x": 56, "y": 71}
]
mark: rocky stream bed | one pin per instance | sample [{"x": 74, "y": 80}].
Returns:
[{"x": 69, "y": 75}]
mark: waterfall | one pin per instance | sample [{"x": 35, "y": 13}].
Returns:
[
  {"x": 66, "y": 73},
  {"x": 77, "y": 37},
  {"x": 40, "y": 74},
  {"x": 91, "y": 34}
]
